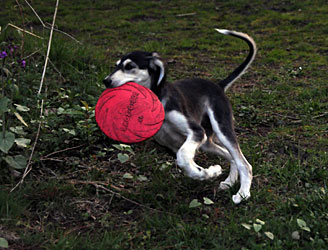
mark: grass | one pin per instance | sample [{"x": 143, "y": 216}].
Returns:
[{"x": 81, "y": 195}]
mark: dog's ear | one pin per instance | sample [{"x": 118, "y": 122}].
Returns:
[{"x": 158, "y": 66}]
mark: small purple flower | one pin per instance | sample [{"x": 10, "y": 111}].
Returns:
[
  {"x": 23, "y": 63},
  {"x": 3, "y": 54}
]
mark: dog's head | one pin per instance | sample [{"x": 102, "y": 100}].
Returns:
[{"x": 140, "y": 67}]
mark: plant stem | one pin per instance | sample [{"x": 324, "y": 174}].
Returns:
[{"x": 3, "y": 95}]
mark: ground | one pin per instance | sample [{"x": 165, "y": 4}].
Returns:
[{"x": 85, "y": 191}]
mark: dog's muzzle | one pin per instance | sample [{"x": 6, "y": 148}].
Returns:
[{"x": 108, "y": 82}]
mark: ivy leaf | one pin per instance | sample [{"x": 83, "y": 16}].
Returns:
[
  {"x": 3, "y": 243},
  {"x": 208, "y": 201},
  {"x": 17, "y": 162},
  {"x": 257, "y": 227},
  {"x": 194, "y": 203},
  {"x": 7, "y": 141},
  {"x": 123, "y": 157}
]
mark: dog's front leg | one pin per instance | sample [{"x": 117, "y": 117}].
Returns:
[{"x": 185, "y": 160}]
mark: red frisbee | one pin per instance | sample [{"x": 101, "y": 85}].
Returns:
[{"x": 129, "y": 113}]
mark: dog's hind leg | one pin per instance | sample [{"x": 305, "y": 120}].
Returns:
[
  {"x": 228, "y": 139},
  {"x": 211, "y": 147}
]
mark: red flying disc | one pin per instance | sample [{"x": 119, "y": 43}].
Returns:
[{"x": 129, "y": 113}]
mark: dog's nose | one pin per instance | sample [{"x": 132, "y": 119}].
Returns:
[{"x": 108, "y": 82}]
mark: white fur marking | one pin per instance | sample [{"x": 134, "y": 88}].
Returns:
[
  {"x": 243, "y": 167},
  {"x": 223, "y": 31},
  {"x": 140, "y": 76}
]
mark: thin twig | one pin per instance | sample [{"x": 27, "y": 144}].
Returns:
[
  {"x": 32, "y": 54},
  {"x": 35, "y": 13},
  {"x": 25, "y": 31},
  {"x": 49, "y": 47},
  {"x": 66, "y": 34},
  {"x": 47, "y": 27},
  {"x": 57, "y": 70},
  {"x": 60, "y": 151},
  {"x": 22, "y": 15},
  {"x": 186, "y": 14},
  {"x": 321, "y": 115}
]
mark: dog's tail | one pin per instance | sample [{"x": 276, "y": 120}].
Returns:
[{"x": 227, "y": 82}]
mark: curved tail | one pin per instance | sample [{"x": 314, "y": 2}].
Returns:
[{"x": 227, "y": 82}]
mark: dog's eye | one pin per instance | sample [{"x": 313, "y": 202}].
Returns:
[{"x": 129, "y": 66}]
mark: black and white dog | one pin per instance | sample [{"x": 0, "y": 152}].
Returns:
[{"x": 198, "y": 115}]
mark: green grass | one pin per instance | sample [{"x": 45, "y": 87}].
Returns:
[{"x": 81, "y": 195}]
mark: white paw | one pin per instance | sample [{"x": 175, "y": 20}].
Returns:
[
  {"x": 239, "y": 197},
  {"x": 214, "y": 171}
]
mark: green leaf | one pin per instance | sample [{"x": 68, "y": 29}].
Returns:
[
  {"x": 123, "y": 157},
  {"x": 302, "y": 224},
  {"x": 205, "y": 216},
  {"x": 6, "y": 141},
  {"x": 260, "y": 222},
  {"x": 22, "y": 142},
  {"x": 257, "y": 227},
  {"x": 3, "y": 243},
  {"x": 247, "y": 226},
  {"x": 123, "y": 147},
  {"x": 69, "y": 131},
  {"x": 269, "y": 235},
  {"x": 194, "y": 203},
  {"x": 20, "y": 118},
  {"x": 17, "y": 162},
  {"x": 18, "y": 130},
  {"x": 22, "y": 108},
  {"x": 208, "y": 201},
  {"x": 85, "y": 105},
  {"x": 128, "y": 176},
  {"x": 142, "y": 178},
  {"x": 4, "y": 105}
]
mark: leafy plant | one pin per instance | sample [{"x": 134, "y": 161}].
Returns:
[{"x": 12, "y": 67}]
